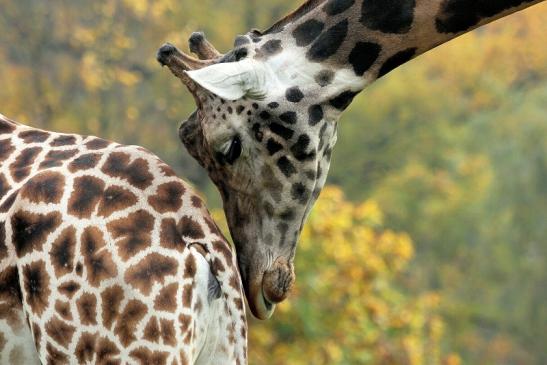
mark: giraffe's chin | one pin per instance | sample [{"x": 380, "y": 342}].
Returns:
[{"x": 260, "y": 307}]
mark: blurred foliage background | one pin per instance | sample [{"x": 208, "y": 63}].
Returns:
[{"x": 432, "y": 248}]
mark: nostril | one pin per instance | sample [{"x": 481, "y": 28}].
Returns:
[
  {"x": 278, "y": 281},
  {"x": 164, "y": 53}
]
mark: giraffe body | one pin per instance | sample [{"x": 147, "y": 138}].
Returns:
[
  {"x": 268, "y": 110},
  {"x": 107, "y": 257}
]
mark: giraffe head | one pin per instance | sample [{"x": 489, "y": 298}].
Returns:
[
  {"x": 264, "y": 130},
  {"x": 267, "y": 112}
]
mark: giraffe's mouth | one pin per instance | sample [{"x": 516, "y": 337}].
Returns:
[{"x": 271, "y": 288}]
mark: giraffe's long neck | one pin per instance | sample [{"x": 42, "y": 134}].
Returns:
[{"x": 373, "y": 37}]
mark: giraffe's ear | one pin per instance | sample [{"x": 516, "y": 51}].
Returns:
[{"x": 235, "y": 80}]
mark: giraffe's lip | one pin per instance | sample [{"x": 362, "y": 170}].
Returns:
[{"x": 261, "y": 307}]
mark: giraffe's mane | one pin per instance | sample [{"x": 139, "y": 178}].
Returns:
[{"x": 304, "y": 9}]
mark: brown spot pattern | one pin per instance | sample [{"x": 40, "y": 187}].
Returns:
[
  {"x": 190, "y": 228},
  {"x": 6, "y": 148},
  {"x": 168, "y": 333},
  {"x": 55, "y": 356},
  {"x": 62, "y": 252},
  {"x": 97, "y": 259},
  {"x": 132, "y": 232},
  {"x": 115, "y": 198},
  {"x": 63, "y": 309},
  {"x": 86, "y": 194},
  {"x": 132, "y": 314},
  {"x": 87, "y": 309},
  {"x": 56, "y": 158},
  {"x": 151, "y": 269},
  {"x": 63, "y": 140},
  {"x": 187, "y": 294},
  {"x": 152, "y": 330},
  {"x": 33, "y": 135},
  {"x": 147, "y": 357},
  {"x": 190, "y": 268},
  {"x": 85, "y": 348},
  {"x": 20, "y": 168},
  {"x": 111, "y": 299},
  {"x": 69, "y": 288},
  {"x": 136, "y": 172},
  {"x": 46, "y": 187},
  {"x": 169, "y": 235},
  {"x": 166, "y": 300},
  {"x": 168, "y": 197},
  {"x": 97, "y": 144},
  {"x": 84, "y": 162},
  {"x": 60, "y": 331},
  {"x": 30, "y": 230}
]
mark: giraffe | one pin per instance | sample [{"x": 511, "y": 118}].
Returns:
[
  {"x": 106, "y": 256},
  {"x": 267, "y": 111}
]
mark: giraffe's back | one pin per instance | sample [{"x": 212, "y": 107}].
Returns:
[{"x": 110, "y": 254}]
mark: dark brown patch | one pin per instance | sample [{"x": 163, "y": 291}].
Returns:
[
  {"x": 62, "y": 252},
  {"x": 54, "y": 356},
  {"x": 37, "y": 334},
  {"x": 107, "y": 351},
  {"x": 30, "y": 230},
  {"x": 168, "y": 197},
  {"x": 166, "y": 300},
  {"x": 84, "y": 162},
  {"x": 8, "y": 202},
  {"x": 147, "y": 357},
  {"x": 63, "y": 140},
  {"x": 190, "y": 267},
  {"x": 63, "y": 308},
  {"x": 217, "y": 265},
  {"x": 4, "y": 186},
  {"x": 189, "y": 228},
  {"x": 20, "y": 168},
  {"x": 153, "y": 268},
  {"x": 85, "y": 349},
  {"x": 132, "y": 314},
  {"x": 45, "y": 187},
  {"x": 115, "y": 198},
  {"x": 152, "y": 330},
  {"x": 6, "y": 148},
  {"x": 136, "y": 172},
  {"x": 97, "y": 144},
  {"x": 168, "y": 333},
  {"x": 33, "y": 136},
  {"x": 132, "y": 232},
  {"x": 185, "y": 322},
  {"x": 170, "y": 236},
  {"x": 235, "y": 282},
  {"x": 60, "y": 331},
  {"x": 87, "y": 308},
  {"x": 97, "y": 258},
  {"x": 111, "y": 300},
  {"x": 224, "y": 249},
  {"x": 187, "y": 294},
  {"x": 69, "y": 288},
  {"x": 86, "y": 194},
  {"x": 56, "y": 158},
  {"x": 10, "y": 297},
  {"x": 3, "y": 247},
  {"x": 213, "y": 227},
  {"x": 6, "y": 127},
  {"x": 196, "y": 201}
]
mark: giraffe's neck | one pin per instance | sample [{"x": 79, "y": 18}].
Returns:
[{"x": 369, "y": 38}]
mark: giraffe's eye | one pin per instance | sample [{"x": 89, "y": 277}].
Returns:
[{"x": 234, "y": 151}]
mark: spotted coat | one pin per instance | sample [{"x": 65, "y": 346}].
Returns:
[{"x": 107, "y": 257}]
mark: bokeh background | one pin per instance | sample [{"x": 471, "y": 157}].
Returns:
[{"x": 428, "y": 247}]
